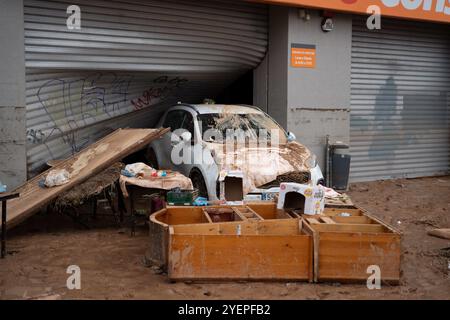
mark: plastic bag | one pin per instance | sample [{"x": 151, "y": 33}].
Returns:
[
  {"x": 137, "y": 168},
  {"x": 57, "y": 177}
]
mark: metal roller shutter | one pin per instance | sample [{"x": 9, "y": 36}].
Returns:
[
  {"x": 130, "y": 60},
  {"x": 400, "y": 98},
  {"x": 147, "y": 35}
]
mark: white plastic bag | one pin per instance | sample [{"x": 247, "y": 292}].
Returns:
[
  {"x": 57, "y": 177},
  {"x": 139, "y": 168}
]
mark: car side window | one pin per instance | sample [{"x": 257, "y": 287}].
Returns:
[
  {"x": 188, "y": 123},
  {"x": 174, "y": 119}
]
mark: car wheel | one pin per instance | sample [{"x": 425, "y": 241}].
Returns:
[
  {"x": 199, "y": 183},
  {"x": 152, "y": 161}
]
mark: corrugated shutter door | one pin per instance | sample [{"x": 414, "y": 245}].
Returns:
[
  {"x": 400, "y": 97},
  {"x": 146, "y": 35},
  {"x": 129, "y": 61}
]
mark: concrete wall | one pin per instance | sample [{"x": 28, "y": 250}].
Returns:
[
  {"x": 319, "y": 98},
  {"x": 260, "y": 85},
  {"x": 310, "y": 102},
  {"x": 12, "y": 94},
  {"x": 277, "y": 64}
]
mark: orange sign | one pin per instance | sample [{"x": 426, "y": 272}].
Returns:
[
  {"x": 303, "y": 56},
  {"x": 432, "y": 10}
]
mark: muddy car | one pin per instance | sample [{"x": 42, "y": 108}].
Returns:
[{"x": 208, "y": 140}]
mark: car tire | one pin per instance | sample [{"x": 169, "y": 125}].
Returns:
[
  {"x": 152, "y": 161},
  {"x": 199, "y": 183}
]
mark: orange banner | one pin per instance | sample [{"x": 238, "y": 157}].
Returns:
[{"x": 431, "y": 10}]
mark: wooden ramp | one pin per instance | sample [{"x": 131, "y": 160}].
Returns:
[{"x": 90, "y": 161}]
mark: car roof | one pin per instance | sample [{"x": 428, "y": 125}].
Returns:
[{"x": 224, "y": 108}]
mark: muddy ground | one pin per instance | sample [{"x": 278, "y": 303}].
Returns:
[{"x": 112, "y": 267}]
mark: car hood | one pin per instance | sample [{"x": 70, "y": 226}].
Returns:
[{"x": 260, "y": 165}]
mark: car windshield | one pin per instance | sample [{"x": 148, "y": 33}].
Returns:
[{"x": 215, "y": 127}]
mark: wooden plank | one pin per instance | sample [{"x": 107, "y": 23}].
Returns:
[
  {"x": 247, "y": 213},
  {"x": 312, "y": 220},
  {"x": 336, "y": 211},
  {"x": 249, "y": 257},
  {"x": 238, "y": 228},
  {"x": 279, "y": 227},
  {"x": 327, "y": 220},
  {"x": 265, "y": 210},
  {"x": 306, "y": 228},
  {"x": 293, "y": 214},
  {"x": 262, "y": 227},
  {"x": 356, "y": 228},
  {"x": 381, "y": 222},
  {"x": 205, "y": 228},
  {"x": 353, "y": 219},
  {"x": 206, "y": 215},
  {"x": 90, "y": 161},
  {"x": 158, "y": 244},
  {"x": 440, "y": 233}
]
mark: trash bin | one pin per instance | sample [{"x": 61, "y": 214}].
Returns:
[{"x": 340, "y": 166}]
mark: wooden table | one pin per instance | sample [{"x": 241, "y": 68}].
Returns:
[{"x": 4, "y": 197}]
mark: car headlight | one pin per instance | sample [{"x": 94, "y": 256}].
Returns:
[{"x": 311, "y": 162}]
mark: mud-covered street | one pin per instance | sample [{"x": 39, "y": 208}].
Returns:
[{"x": 112, "y": 264}]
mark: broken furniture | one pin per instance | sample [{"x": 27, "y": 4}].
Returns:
[
  {"x": 4, "y": 197},
  {"x": 100, "y": 188},
  {"x": 84, "y": 164},
  {"x": 440, "y": 233},
  {"x": 141, "y": 203},
  {"x": 143, "y": 189},
  {"x": 251, "y": 242},
  {"x": 257, "y": 241},
  {"x": 349, "y": 240}
]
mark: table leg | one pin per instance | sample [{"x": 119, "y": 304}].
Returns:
[
  {"x": 94, "y": 208},
  {"x": 3, "y": 254},
  {"x": 120, "y": 202},
  {"x": 133, "y": 226}
]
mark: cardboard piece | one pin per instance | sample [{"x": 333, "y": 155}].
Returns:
[
  {"x": 305, "y": 198},
  {"x": 231, "y": 186}
]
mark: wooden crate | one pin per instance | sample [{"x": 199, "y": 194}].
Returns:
[
  {"x": 189, "y": 245},
  {"x": 344, "y": 247},
  {"x": 265, "y": 250},
  {"x": 159, "y": 230}
]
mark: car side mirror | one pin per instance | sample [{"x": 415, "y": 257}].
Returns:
[
  {"x": 186, "y": 136},
  {"x": 291, "y": 137}
]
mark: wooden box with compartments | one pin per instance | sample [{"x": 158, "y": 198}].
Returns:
[
  {"x": 350, "y": 244},
  {"x": 248, "y": 242}
]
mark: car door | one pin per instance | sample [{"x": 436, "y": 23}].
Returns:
[
  {"x": 173, "y": 120},
  {"x": 188, "y": 125}
]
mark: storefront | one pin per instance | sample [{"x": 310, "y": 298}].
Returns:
[{"x": 384, "y": 92}]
